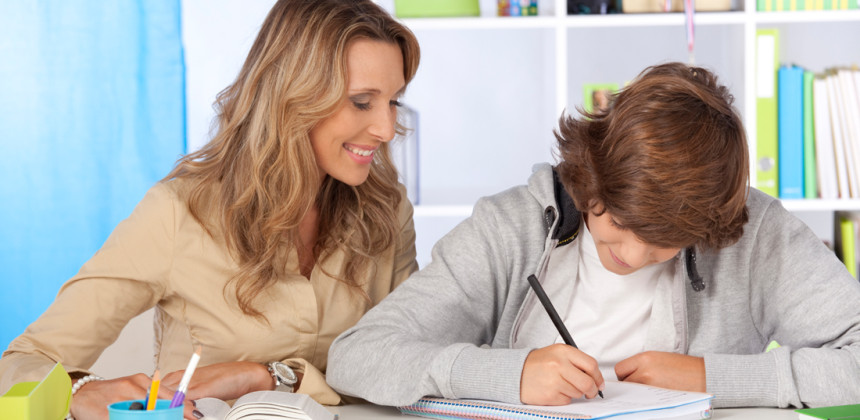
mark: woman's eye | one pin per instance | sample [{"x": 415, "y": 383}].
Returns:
[
  {"x": 395, "y": 103},
  {"x": 362, "y": 106}
]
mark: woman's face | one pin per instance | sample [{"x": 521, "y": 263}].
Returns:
[
  {"x": 344, "y": 144},
  {"x": 619, "y": 249}
]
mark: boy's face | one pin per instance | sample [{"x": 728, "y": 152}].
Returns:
[{"x": 620, "y": 250}]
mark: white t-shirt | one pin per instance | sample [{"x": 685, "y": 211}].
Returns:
[{"x": 609, "y": 314}]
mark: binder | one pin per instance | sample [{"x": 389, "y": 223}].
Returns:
[
  {"x": 48, "y": 399},
  {"x": 851, "y": 411},
  {"x": 767, "y": 57},
  {"x": 790, "y": 132},
  {"x": 846, "y": 242},
  {"x": 810, "y": 168}
]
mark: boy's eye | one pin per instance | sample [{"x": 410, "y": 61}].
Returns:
[{"x": 616, "y": 224}]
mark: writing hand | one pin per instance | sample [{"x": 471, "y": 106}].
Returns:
[
  {"x": 91, "y": 400},
  {"x": 556, "y": 374},
  {"x": 225, "y": 381},
  {"x": 666, "y": 370}
]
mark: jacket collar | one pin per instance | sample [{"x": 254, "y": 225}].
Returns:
[{"x": 569, "y": 218}]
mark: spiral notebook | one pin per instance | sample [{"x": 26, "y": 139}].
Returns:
[{"x": 624, "y": 401}]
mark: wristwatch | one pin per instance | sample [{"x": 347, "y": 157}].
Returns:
[{"x": 283, "y": 375}]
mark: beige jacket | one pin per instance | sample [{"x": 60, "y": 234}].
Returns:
[{"x": 160, "y": 256}]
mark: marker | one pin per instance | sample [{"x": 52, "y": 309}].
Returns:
[
  {"x": 553, "y": 315},
  {"x": 179, "y": 396},
  {"x": 152, "y": 395}
]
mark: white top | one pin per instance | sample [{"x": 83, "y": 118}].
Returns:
[{"x": 609, "y": 314}]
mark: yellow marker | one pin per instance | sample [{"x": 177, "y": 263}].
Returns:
[{"x": 152, "y": 395}]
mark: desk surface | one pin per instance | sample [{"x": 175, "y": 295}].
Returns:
[{"x": 375, "y": 412}]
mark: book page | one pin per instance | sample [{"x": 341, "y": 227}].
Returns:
[
  {"x": 621, "y": 397},
  {"x": 284, "y": 404},
  {"x": 212, "y": 408}
]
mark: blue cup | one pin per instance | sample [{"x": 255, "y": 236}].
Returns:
[{"x": 120, "y": 411}]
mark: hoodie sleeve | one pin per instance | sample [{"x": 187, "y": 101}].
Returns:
[
  {"x": 430, "y": 336},
  {"x": 801, "y": 296}
]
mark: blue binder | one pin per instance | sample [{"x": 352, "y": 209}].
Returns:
[{"x": 790, "y": 96}]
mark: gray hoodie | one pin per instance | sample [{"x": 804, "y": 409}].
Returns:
[{"x": 447, "y": 331}]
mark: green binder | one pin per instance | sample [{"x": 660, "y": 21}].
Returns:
[
  {"x": 846, "y": 412},
  {"x": 810, "y": 169},
  {"x": 847, "y": 245},
  {"x": 767, "y": 146},
  {"x": 436, "y": 8}
]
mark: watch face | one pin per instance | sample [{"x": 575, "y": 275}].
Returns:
[{"x": 285, "y": 374}]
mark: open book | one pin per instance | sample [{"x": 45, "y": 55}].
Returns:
[
  {"x": 264, "y": 405},
  {"x": 624, "y": 401}
]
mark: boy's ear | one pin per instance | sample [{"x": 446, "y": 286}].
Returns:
[{"x": 595, "y": 206}]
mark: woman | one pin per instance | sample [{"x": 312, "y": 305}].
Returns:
[
  {"x": 664, "y": 265},
  {"x": 268, "y": 242}
]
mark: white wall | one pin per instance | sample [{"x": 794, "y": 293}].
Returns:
[{"x": 217, "y": 35}]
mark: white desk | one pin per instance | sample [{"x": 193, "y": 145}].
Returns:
[{"x": 375, "y": 412}]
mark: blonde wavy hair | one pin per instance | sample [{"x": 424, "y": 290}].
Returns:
[{"x": 254, "y": 182}]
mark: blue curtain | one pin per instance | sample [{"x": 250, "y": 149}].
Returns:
[{"x": 92, "y": 114}]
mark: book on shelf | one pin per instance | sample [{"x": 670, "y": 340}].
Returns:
[
  {"x": 790, "y": 132},
  {"x": 839, "y": 151},
  {"x": 851, "y": 122},
  {"x": 842, "y": 127},
  {"x": 767, "y": 47},
  {"x": 825, "y": 158},
  {"x": 810, "y": 168},
  {"x": 624, "y": 401},
  {"x": 851, "y": 411},
  {"x": 265, "y": 405},
  {"x": 845, "y": 239},
  {"x": 801, "y": 5}
]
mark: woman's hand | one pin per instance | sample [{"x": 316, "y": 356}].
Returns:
[
  {"x": 556, "y": 374},
  {"x": 666, "y": 370},
  {"x": 225, "y": 381},
  {"x": 91, "y": 400}
]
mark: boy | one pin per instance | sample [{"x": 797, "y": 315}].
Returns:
[{"x": 664, "y": 265}]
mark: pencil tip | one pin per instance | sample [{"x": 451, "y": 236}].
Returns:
[
  {"x": 156, "y": 375},
  {"x": 198, "y": 350},
  {"x": 600, "y": 393}
]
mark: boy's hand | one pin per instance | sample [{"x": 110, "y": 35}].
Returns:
[
  {"x": 556, "y": 374},
  {"x": 666, "y": 370}
]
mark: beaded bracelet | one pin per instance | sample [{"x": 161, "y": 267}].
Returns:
[{"x": 78, "y": 384}]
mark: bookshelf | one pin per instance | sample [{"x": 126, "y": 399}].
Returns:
[{"x": 476, "y": 140}]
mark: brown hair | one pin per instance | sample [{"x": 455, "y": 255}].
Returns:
[
  {"x": 257, "y": 178},
  {"x": 668, "y": 159}
]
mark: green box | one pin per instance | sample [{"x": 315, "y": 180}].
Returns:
[{"x": 436, "y": 8}]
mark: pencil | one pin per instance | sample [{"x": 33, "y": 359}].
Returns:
[
  {"x": 553, "y": 315},
  {"x": 152, "y": 395},
  {"x": 179, "y": 395}
]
